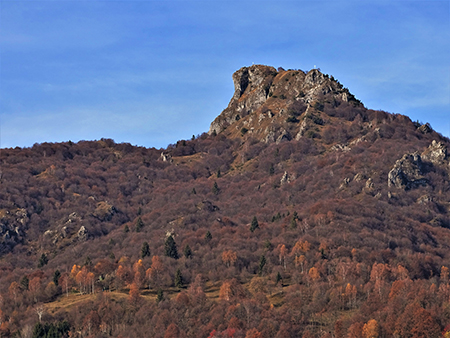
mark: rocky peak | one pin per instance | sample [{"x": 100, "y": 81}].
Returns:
[
  {"x": 268, "y": 104},
  {"x": 251, "y": 90},
  {"x": 314, "y": 78},
  {"x": 250, "y": 77}
]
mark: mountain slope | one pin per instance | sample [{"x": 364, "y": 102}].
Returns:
[{"x": 295, "y": 184}]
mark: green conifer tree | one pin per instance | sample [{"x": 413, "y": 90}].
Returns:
[
  {"x": 215, "y": 189},
  {"x": 39, "y": 331},
  {"x": 56, "y": 276},
  {"x": 145, "y": 250},
  {"x": 208, "y": 236},
  {"x": 187, "y": 252},
  {"x": 254, "y": 224},
  {"x": 178, "y": 279},
  {"x": 262, "y": 264},
  {"x": 24, "y": 283},
  {"x": 43, "y": 260},
  {"x": 159, "y": 296},
  {"x": 139, "y": 224},
  {"x": 278, "y": 278},
  {"x": 171, "y": 247}
]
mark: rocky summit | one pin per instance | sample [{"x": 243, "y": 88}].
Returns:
[{"x": 277, "y": 106}]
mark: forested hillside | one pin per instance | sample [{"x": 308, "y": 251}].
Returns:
[{"x": 301, "y": 213}]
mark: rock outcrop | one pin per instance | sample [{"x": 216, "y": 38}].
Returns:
[
  {"x": 277, "y": 106},
  {"x": 207, "y": 206},
  {"x": 436, "y": 153},
  {"x": 407, "y": 172},
  {"x": 104, "y": 211},
  {"x": 425, "y": 128},
  {"x": 82, "y": 234},
  {"x": 12, "y": 228},
  {"x": 251, "y": 90}
]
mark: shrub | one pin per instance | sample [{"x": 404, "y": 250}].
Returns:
[{"x": 292, "y": 119}]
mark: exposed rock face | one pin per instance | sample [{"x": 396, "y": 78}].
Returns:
[
  {"x": 251, "y": 89},
  {"x": 166, "y": 157},
  {"x": 284, "y": 178},
  {"x": 436, "y": 153},
  {"x": 276, "y": 106},
  {"x": 65, "y": 228},
  {"x": 407, "y": 172},
  {"x": 341, "y": 147},
  {"x": 369, "y": 183},
  {"x": 345, "y": 182},
  {"x": 284, "y": 136},
  {"x": 359, "y": 177},
  {"x": 82, "y": 234},
  {"x": 104, "y": 211},
  {"x": 425, "y": 199},
  {"x": 208, "y": 206},
  {"x": 12, "y": 224},
  {"x": 425, "y": 128}
]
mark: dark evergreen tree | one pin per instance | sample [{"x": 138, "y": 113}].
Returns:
[
  {"x": 43, "y": 260},
  {"x": 39, "y": 331},
  {"x": 254, "y": 224},
  {"x": 293, "y": 224},
  {"x": 208, "y": 236},
  {"x": 145, "y": 250},
  {"x": 261, "y": 265},
  {"x": 24, "y": 282},
  {"x": 88, "y": 261},
  {"x": 159, "y": 296},
  {"x": 215, "y": 189},
  {"x": 53, "y": 332},
  {"x": 56, "y": 276},
  {"x": 171, "y": 247},
  {"x": 64, "y": 327},
  {"x": 187, "y": 252},
  {"x": 268, "y": 245},
  {"x": 139, "y": 224},
  {"x": 278, "y": 278},
  {"x": 178, "y": 279}
]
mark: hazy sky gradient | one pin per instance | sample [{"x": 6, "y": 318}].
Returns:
[{"x": 154, "y": 72}]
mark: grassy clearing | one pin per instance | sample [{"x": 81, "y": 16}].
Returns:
[{"x": 65, "y": 302}]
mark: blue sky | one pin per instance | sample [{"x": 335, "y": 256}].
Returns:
[{"x": 154, "y": 72}]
